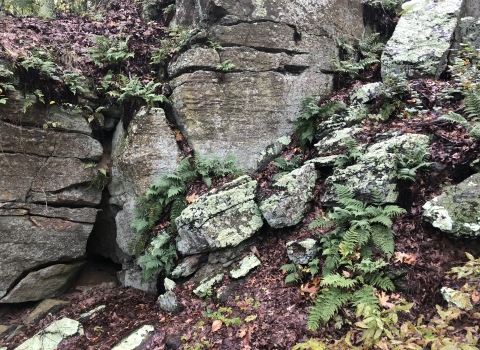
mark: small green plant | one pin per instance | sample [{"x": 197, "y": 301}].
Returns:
[
  {"x": 171, "y": 46},
  {"x": 109, "y": 51},
  {"x": 221, "y": 315},
  {"x": 306, "y": 125},
  {"x": 167, "y": 197},
  {"x": 214, "y": 45},
  {"x": 354, "y": 151},
  {"x": 225, "y": 66},
  {"x": 4, "y": 87},
  {"x": 390, "y": 98},
  {"x": 158, "y": 257},
  {"x": 360, "y": 56},
  {"x": 297, "y": 272},
  {"x": 134, "y": 91},
  {"x": 169, "y": 9},
  {"x": 286, "y": 166},
  {"x": 100, "y": 179},
  {"x": 473, "y": 129},
  {"x": 74, "y": 82},
  {"x": 358, "y": 227},
  {"x": 411, "y": 162},
  {"x": 41, "y": 61}
]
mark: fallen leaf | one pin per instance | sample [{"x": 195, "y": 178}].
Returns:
[
  {"x": 242, "y": 332},
  {"x": 250, "y": 318},
  {"x": 191, "y": 198},
  {"x": 346, "y": 273},
  {"x": 216, "y": 325},
  {"x": 383, "y": 299},
  {"x": 312, "y": 290},
  {"x": 475, "y": 297},
  {"x": 405, "y": 258}
]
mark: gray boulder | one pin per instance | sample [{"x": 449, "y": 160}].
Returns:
[
  {"x": 421, "y": 41},
  {"x": 456, "y": 212},
  {"x": 49, "y": 282},
  {"x": 289, "y": 205},
  {"x": 168, "y": 301},
  {"x": 302, "y": 251},
  {"x": 38, "y": 235},
  {"x": 220, "y": 218},
  {"x": 139, "y": 157}
]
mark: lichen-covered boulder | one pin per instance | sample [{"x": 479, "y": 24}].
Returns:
[
  {"x": 336, "y": 141},
  {"x": 168, "y": 301},
  {"x": 188, "y": 266},
  {"x": 221, "y": 218},
  {"x": 375, "y": 170},
  {"x": 136, "y": 339},
  {"x": 421, "y": 41},
  {"x": 205, "y": 286},
  {"x": 302, "y": 251},
  {"x": 365, "y": 93},
  {"x": 140, "y": 156},
  {"x": 456, "y": 211},
  {"x": 245, "y": 266},
  {"x": 279, "y": 58},
  {"x": 289, "y": 205},
  {"x": 49, "y": 282}
]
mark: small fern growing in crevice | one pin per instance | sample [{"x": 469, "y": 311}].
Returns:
[
  {"x": 411, "y": 162},
  {"x": 474, "y": 130},
  {"x": 297, "y": 272},
  {"x": 166, "y": 199},
  {"x": 306, "y": 125},
  {"x": 354, "y": 151},
  {"x": 358, "y": 229},
  {"x": 286, "y": 166}
]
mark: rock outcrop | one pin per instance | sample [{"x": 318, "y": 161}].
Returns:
[
  {"x": 456, "y": 212},
  {"x": 279, "y": 50}
]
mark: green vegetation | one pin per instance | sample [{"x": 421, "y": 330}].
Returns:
[
  {"x": 109, "y": 51},
  {"x": 101, "y": 178},
  {"x": 354, "y": 151},
  {"x": 410, "y": 162},
  {"x": 225, "y": 66},
  {"x": 171, "y": 46},
  {"x": 306, "y": 125},
  {"x": 135, "y": 92},
  {"x": 390, "y": 98},
  {"x": 358, "y": 228},
  {"x": 166, "y": 198},
  {"x": 359, "y": 56},
  {"x": 221, "y": 315},
  {"x": 296, "y": 272},
  {"x": 42, "y": 62},
  {"x": 286, "y": 166}
]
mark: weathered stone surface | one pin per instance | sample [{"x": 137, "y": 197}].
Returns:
[
  {"x": 194, "y": 59},
  {"x": 86, "y": 316},
  {"x": 335, "y": 143},
  {"x": 280, "y": 51},
  {"x": 83, "y": 215},
  {"x": 59, "y": 173},
  {"x": 77, "y": 196},
  {"x": 227, "y": 255},
  {"x": 289, "y": 205},
  {"x": 246, "y": 265},
  {"x": 188, "y": 266},
  {"x": 220, "y": 218},
  {"x": 38, "y": 114},
  {"x": 50, "y": 337},
  {"x": 421, "y": 41},
  {"x": 272, "y": 151},
  {"x": 456, "y": 212},
  {"x": 79, "y": 146},
  {"x": 37, "y": 240},
  {"x": 47, "y": 306},
  {"x": 17, "y": 171},
  {"x": 302, "y": 251},
  {"x": 139, "y": 157},
  {"x": 323, "y": 162},
  {"x": 365, "y": 93},
  {"x": 49, "y": 282},
  {"x": 136, "y": 339},
  {"x": 169, "y": 302},
  {"x": 376, "y": 169}
]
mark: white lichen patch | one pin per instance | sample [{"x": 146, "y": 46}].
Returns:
[
  {"x": 440, "y": 216},
  {"x": 134, "y": 340},
  {"x": 206, "y": 284}
]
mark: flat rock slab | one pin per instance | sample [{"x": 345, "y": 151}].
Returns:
[
  {"x": 421, "y": 41},
  {"x": 220, "y": 218},
  {"x": 50, "y": 337},
  {"x": 46, "y": 283},
  {"x": 135, "y": 339},
  {"x": 289, "y": 205},
  {"x": 47, "y": 306},
  {"x": 457, "y": 212}
]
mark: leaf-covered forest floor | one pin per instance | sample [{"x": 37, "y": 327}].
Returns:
[{"x": 273, "y": 314}]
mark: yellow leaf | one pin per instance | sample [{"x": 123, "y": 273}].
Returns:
[{"x": 52, "y": 102}]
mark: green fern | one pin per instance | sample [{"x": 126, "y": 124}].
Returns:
[
  {"x": 109, "y": 51},
  {"x": 474, "y": 130},
  {"x": 353, "y": 153},
  {"x": 358, "y": 227},
  {"x": 306, "y": 125},
  {"x": 159, "y": 257}
]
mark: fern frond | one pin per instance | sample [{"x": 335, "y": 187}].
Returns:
[
  {"x": 393, "y": 211},
  {"x": 472, "y": 102},
  {"x": 457, "y": 118},
  {"x": 366, "y": 296},
  {"x": 356, "y": 237},
  {"x": 383, "y": 220},
  {"x": 382, "y": 238},
  {"x": 321, "y": 222},
  {"x": 327, "y": 304},
  {"x": 338, "y": 281},
  {"x": 377, "y": 279}
]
